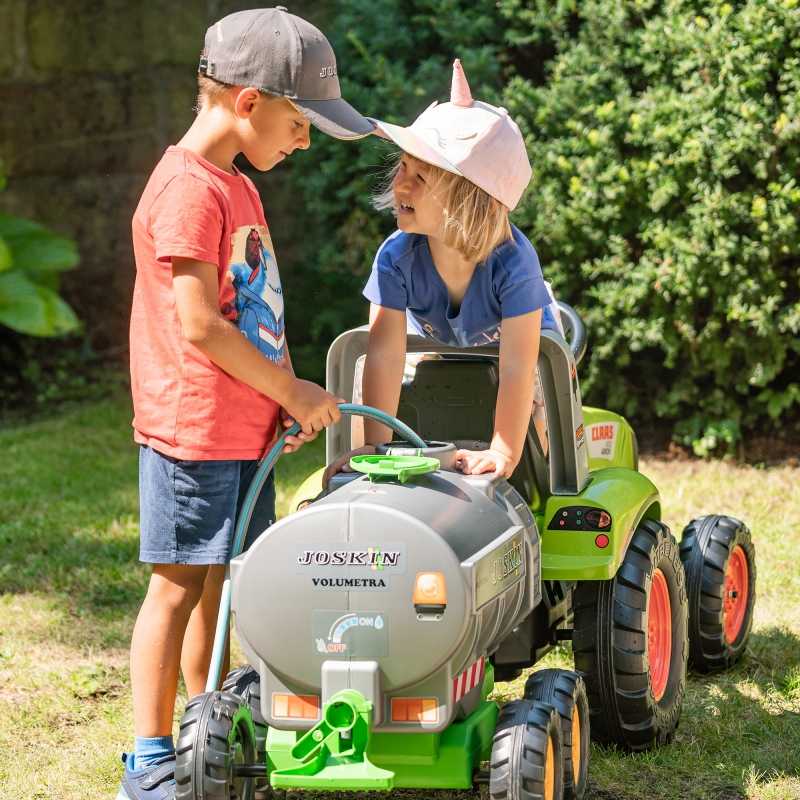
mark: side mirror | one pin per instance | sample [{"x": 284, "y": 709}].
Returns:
[{"x": 574, "y": 330}]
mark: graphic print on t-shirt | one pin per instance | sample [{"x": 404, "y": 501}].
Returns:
[{"x": 257, "y": 307}]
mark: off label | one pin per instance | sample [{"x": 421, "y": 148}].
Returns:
[{"x": 350, "y": 634}]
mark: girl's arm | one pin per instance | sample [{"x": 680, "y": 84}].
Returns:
[
  {"x": 519, "y": 352},
  {"x": 383, "y": 370}
]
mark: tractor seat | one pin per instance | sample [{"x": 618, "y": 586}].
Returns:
[{"x": 452, "y": 398}]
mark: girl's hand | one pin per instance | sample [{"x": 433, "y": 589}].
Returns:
[
  {"x": 476, "y": 462},
  {"x": 342, "y": 464}
]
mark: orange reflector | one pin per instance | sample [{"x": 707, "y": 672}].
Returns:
[
  {"x": 430, "y": 589},
  {"x": 415, "y": 709},
  {"x": 295, "y": 706}
]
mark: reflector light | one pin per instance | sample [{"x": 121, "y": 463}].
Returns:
[
  {"x": 415, "y": 709},
  {"x": 430, "y": 589},
  {"x": 295, "y": 706},
  {"x": 601, "y": 540}
]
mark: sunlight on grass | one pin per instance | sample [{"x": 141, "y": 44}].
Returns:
[{"x": 71, "y": 587}]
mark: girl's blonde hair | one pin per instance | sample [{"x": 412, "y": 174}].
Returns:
[{"x": 475, "y": 223}]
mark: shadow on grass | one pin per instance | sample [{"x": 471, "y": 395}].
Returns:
[
  {"x": 739, "y": 730},
  {"x": 69, "y": 521}
]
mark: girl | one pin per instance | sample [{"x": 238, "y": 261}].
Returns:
[{"x": 457, "y": 270}]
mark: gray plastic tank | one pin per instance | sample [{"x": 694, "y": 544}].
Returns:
[{"x": 325, "y": 599}]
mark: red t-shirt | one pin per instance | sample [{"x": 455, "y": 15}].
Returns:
[{"x": 184, "y": 405}]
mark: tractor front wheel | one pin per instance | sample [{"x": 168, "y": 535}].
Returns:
[
  {"x": 527, "y": 757},
  {"x": 566, "y": 692},
  {"x": 245, "y": 682},
  {"x": 720, "y": 564},
  {"x": 216, "y": 735},
  {"x": 630, "y": 642}
]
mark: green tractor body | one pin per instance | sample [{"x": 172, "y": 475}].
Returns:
[{"x": 362, "y": 681}]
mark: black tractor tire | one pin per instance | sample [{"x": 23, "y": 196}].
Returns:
[
  {"x": 245, "y": 682},
  {"x": 612, "y": 643},
  {"x": 711, "y": 546},
  {"x": 566, "y": 692},
  {"x": 527, "y": 753},
  {"x": 214, "y": 736}
]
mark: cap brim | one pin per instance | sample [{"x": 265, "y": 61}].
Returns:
[
  {"x": 336, "y": 117},
  {"x": 413, "y": 144}
]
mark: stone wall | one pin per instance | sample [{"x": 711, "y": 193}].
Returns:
[{"x": 91, "y": 93}]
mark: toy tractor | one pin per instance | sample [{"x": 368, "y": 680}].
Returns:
[{"x": 377, "y": 618}]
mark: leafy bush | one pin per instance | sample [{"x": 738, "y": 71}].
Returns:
[
  {"x": 665, "y": 141},
  {"x": 666, "y": 149},
  {"x": 31, "y": 259}
]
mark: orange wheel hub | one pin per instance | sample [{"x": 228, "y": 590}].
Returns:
[
  {"x": 737, "y": 577},
  {"x": 659, "y": 634},
  {"x": 576, "y": 745},
  {"x": 549, "y": 771}
]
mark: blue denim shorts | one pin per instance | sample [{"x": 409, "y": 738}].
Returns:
[{"x": 188, "y": 508}]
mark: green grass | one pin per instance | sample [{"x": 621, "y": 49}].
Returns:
[{"x": 71, "y": 585}]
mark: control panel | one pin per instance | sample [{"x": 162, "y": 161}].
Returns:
[{"x": 580, "y": 518}]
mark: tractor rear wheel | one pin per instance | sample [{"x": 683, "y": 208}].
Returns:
[
  {"x": 720, "y": 564},
  {"x": 216, "y": 735},
  {"x": 527, "y": 757},
  {"x": 566, "y": 692},
  {"x": 630, "y": 642}
]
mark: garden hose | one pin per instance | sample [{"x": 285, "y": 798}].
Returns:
[{"x": 246, "y": 513}]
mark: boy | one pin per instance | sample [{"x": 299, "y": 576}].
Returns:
[{"x": 210, "y": 368}]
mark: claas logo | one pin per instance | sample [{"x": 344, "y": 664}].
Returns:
[{"x": 602, "y": 432}]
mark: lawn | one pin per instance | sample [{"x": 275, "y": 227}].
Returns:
[{"x": 70, "y": 587}]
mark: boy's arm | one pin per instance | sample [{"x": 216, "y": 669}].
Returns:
[
  {"x": 519, "y": 352},
  {"x": 383, "y": 370},
  {"x": 196, "y": 297},
  {"x": 292, "y": 443}
]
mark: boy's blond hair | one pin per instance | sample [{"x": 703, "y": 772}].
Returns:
[
  {"x": 475, "y": 223},
  {"x": 210, "y": 92}
]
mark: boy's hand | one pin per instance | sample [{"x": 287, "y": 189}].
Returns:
[
  {"x": 342, "y": 464},
  {"x": 293, "y": 443},
  {"x": 476, "y": 462},
  {"x": 312, "y": 406}
]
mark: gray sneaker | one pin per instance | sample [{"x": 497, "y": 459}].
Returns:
[{"x": 156, "y": 781}]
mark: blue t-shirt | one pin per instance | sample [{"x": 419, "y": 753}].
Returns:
[{"x": 509, "y": 283}]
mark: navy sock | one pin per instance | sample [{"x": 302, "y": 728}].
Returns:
[{"x": 147, "y": 750}]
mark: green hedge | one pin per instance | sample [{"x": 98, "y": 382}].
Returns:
[{"x": 665, "y": 142}]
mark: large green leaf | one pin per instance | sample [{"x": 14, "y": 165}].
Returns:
[
  {"x": 32, "y": 309},
  {"x": 34, "y": 248},
  {"x": 5, "y": 256}
]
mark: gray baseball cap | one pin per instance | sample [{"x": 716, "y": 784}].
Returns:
[{"x": 280, "y": 53}]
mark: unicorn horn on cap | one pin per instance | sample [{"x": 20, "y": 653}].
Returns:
[{"x": 460, "y": 94}]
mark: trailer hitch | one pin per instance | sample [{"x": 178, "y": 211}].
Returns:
[{"x": 334, "y": 752}]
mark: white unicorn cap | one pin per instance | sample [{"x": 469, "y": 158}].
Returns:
[{"x": 473, "y": 139}]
